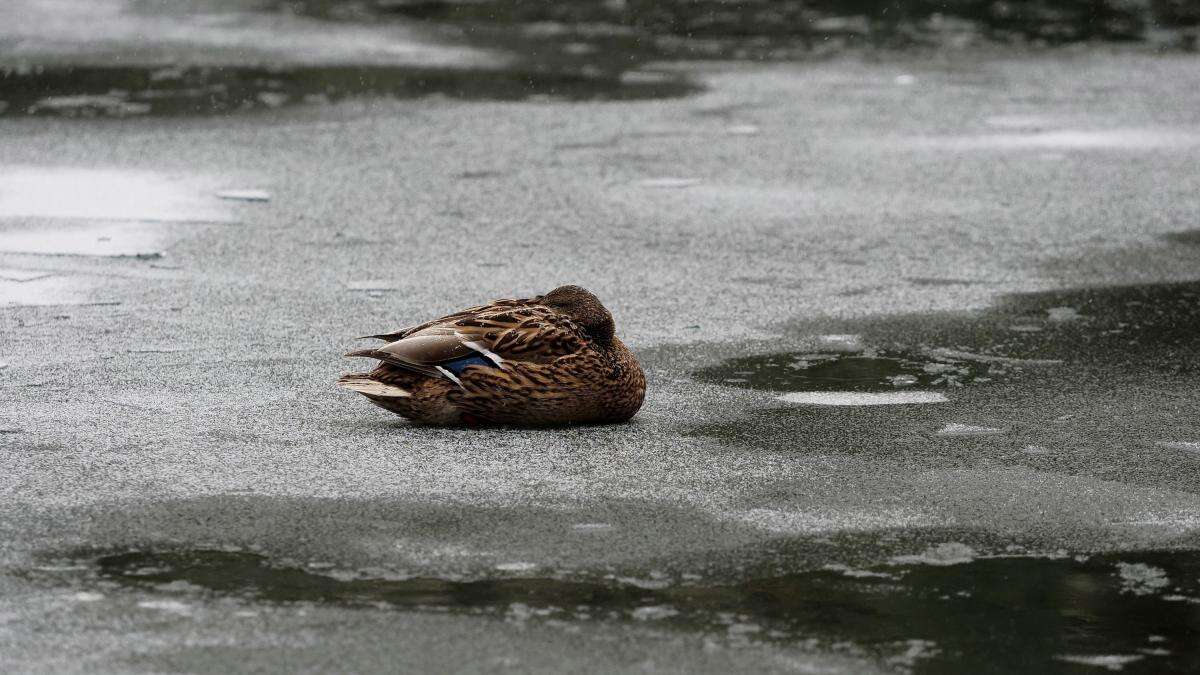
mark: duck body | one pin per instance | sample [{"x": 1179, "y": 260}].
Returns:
[{"x": 547, "y": 360}]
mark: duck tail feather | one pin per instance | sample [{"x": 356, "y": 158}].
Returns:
[
  {"x": 369, "y": 353},
  {"x": 363, "y": 384}
]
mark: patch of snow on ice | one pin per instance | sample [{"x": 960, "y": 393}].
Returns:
[
  {"x": 516, "y": 567},
  {"x": 169, "y": 606},
  {"x": 863, "y": 398},
  {"x": 949, "y": 553},
  {"x": 742, "y": 130},
  {"x": 110, "y": 194},
  {"x": 591, "y": 527},
  {"x": 1184, "y": 446},
  {"x": 1063, "y": 314},
  {"x": 654, "y": 613},
  {"x": 848, "y": 571},
  {"x": 914, "y": 650},
  {"x": 1141, "y": 579},
  {"x": 741, "y": 628},
  {"x": 1112, "y": 662},
  {"x": 955, "y": 429},
  {"x": 842, "y": 344},
  {"x": 115, "y": 238},
  {"x": 246, "y": 195},
  {"x": 801, "y": 522},
  {"x": 669, "y": 182},
  {"x": 648, "y": 584},
  {"x": 1181, "y": 598},
  {"x": 22, "y": 275}
]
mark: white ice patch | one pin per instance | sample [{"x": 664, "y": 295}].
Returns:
[
  {"x": 669, "y": 182},
  {"x": 519, "y": 612},
  {"x": 107, "y": 194},
  {"x": 989, "y": 358},
  {"x": 1063, "y": 314},
  {"x": 1023, "y": 122},
  {"x": 87, "y": 596},
  {"x": 1181, "y": 598},
  {"x": 862, "y": 398},
  {"x": 950, "y": 553},
  {"x": 60, "y": 568},
  {"x": 1066, "y": 139},
  {"x": 516, "y": 567},
  {"x": 245, "y": 195},
  {"x": 654, "y": 613},
  {"x": 1192, "y": 447},
  {"x": 848, "y": 571},
  {"x": 178, "y": 586},
  {"x": 656, "y": 581},
  {"x": 1141, "y": 579},
  {"x": 741, "y": 130},
  {"x": 639, "y": 77},
  {"x": 914, "y": 651},
  {"x": 742, "y": 628},
  {"x": 22, "y": 275},
  {"x": 955, "y": 429},
  {"x": 1175, "y": 520},
  {"x": 1112, "y": 662},
  {"x": 840, "y": 344},
  {"x": 111, "y": 104},
  {"x": 84, "y": 238},
  {"x": 803, "y": 522},
  {"x": 169, "y": 606},
  {"x": 592, "y": 527}
]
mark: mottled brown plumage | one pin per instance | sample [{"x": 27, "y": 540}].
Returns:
[{"x": 550, "y": 359}]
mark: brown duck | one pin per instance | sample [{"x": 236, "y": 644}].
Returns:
[{"x": 550, "y": 359}]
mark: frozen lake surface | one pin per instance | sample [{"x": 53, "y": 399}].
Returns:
[{"x": 1008, "y": 237}]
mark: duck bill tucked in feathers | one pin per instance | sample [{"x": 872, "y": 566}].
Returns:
[{"x": 550, "y": 359}]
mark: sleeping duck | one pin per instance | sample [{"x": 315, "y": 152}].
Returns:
[{"x": 551, "y": 359}]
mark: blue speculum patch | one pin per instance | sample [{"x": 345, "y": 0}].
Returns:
[{"x": 457, "y": 366}]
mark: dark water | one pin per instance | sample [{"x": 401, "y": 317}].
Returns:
[
  {"x": 1099, "y": 382},
  {"x": 874, "y": 371},
  {"x": 1187, "y": 237},
  {"x": 1006, "y": 614},
  {"x": 1150, "y": 328},
  {"x": 86, "y": 91},
  {"x": 578, "y": 50},
  {"x": 623, "y": 33},
  {"x": 897, "y": 21}
]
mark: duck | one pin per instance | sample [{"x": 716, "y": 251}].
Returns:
[{"x": 551, "y": 359}]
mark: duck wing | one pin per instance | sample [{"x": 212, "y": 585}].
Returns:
[
  {"x": 489, "y": 336},
  {"x": 495, "y": 305}
]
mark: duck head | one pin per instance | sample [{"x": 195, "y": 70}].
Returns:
[{"x": 584, "y": 309}]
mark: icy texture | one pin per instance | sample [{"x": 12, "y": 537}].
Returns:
[{"x": 862, "y": 398}]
